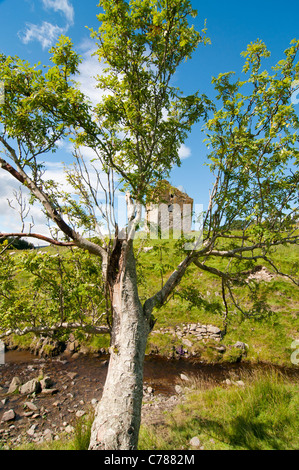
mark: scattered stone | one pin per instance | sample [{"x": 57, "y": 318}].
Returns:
[
  {"x": 241, "y": 345},
  {"x": 69, "y": 429},
  {"x": 33, "y": 386},
  {"x": 48, "y": 435},
  {"x": 260, "y": 274},
  {"x": 72, "y": 375},
  {"x": 8, "y": 416},
  {"x": 31, "y": 430},
  {"x": 14, "y": 385},
  {"x": 184, "y": 377},
  {"x": 178, "y": 389},
  {"x": 80, "y": 413},
  {"x": 49, "y": 391},
  {"x": 46, "y": 383},
  {"x": 240, "y": 383},
  {"x": 195, "y": 442},
  {"x": 30, "y": 405}
]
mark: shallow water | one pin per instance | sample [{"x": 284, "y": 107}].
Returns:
[{"x": 160, "y": 373}]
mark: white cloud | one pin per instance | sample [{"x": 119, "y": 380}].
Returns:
[
  {"x": 88, "y": 70},
  {"x": 46, "y": 33},
  {"x": 63, "y": 6},
  {"x": 184, "y": 152}
]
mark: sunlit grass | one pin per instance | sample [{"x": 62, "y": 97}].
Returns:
[{"x": 262, "y": 415}]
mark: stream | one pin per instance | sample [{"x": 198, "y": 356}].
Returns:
[{"x": 160, "y": 373}]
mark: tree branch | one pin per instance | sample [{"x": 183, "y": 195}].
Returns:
[
  {"x": 49, "y": 207},
  {"x": 49, "y": 329},
  {"x": 39, "y": 237}
]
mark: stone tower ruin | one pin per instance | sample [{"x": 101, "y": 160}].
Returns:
[{"x": 170, "y": 211}]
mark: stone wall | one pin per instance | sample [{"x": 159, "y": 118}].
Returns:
[{"x": 197, "y": 330}]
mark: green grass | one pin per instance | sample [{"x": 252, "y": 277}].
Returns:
[
  {"x": 78, "y": 441},
  {"x": 269, "y": 325},
  {"x": 263, "y": 415},
  {"x": 269, "y": 332}
]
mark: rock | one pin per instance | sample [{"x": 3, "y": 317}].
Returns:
[
  {"x": 48, "y": 435},
  {"x": 72, "y": 375},
  {"x": 14, "y": 385},
  {"x": 31, "y": 406},
  {"x": 195, "y": 442},
  {"x": 46, "y": 383},
  {"x": 80, "y": 413},
  {"x": 33, "y": 386},
  {"x": 69, "y": 429},
  {"x": 31, "y": 430},
  {"x": 240, "y": 383},
  {"x": 178, "y": 389},
  {"x": 8, "y": 416},
  {"x": 187, "y": 342},
  {"x": 184, "y": 377},
  {"x": 201, "y": 329},
  {"x": 241, "y": 345},
  {"x": 213, "y": 329},
  {"x": 49, "y": 391}
]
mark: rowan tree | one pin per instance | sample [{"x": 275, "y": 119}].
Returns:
[{"x": 135, "y": 132}]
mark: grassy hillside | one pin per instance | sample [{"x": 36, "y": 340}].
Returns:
[
  {"x": 268, "y": 326},
  {"x": 268, "y": 331}
]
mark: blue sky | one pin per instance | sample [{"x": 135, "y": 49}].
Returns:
[{"x": 28, "y": 28}]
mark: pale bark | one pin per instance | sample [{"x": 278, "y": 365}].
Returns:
[{"x": 118, "y": 415}]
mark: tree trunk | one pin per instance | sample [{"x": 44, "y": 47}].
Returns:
[{"x": 118, "y": 414}]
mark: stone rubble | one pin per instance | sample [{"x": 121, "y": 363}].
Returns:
[{"x": 197, "y": 331}]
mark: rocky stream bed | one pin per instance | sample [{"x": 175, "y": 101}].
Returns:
[{"x": 51, "y": 395}]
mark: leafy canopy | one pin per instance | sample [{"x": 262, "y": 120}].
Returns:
[{"x": 254, "y": 142}]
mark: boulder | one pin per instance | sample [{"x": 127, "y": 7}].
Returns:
[
  {"x": 213, "y": 329},
  {"x": 14, "y": 385},
  {"x": 33, "y": 386},
  {"x": 8, "y": 416},
  {"x": 46, "y": 382},
  {"x": 31, "y": 406}
]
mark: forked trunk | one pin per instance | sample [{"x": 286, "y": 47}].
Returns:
[{"x": 118, "y": 414}]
